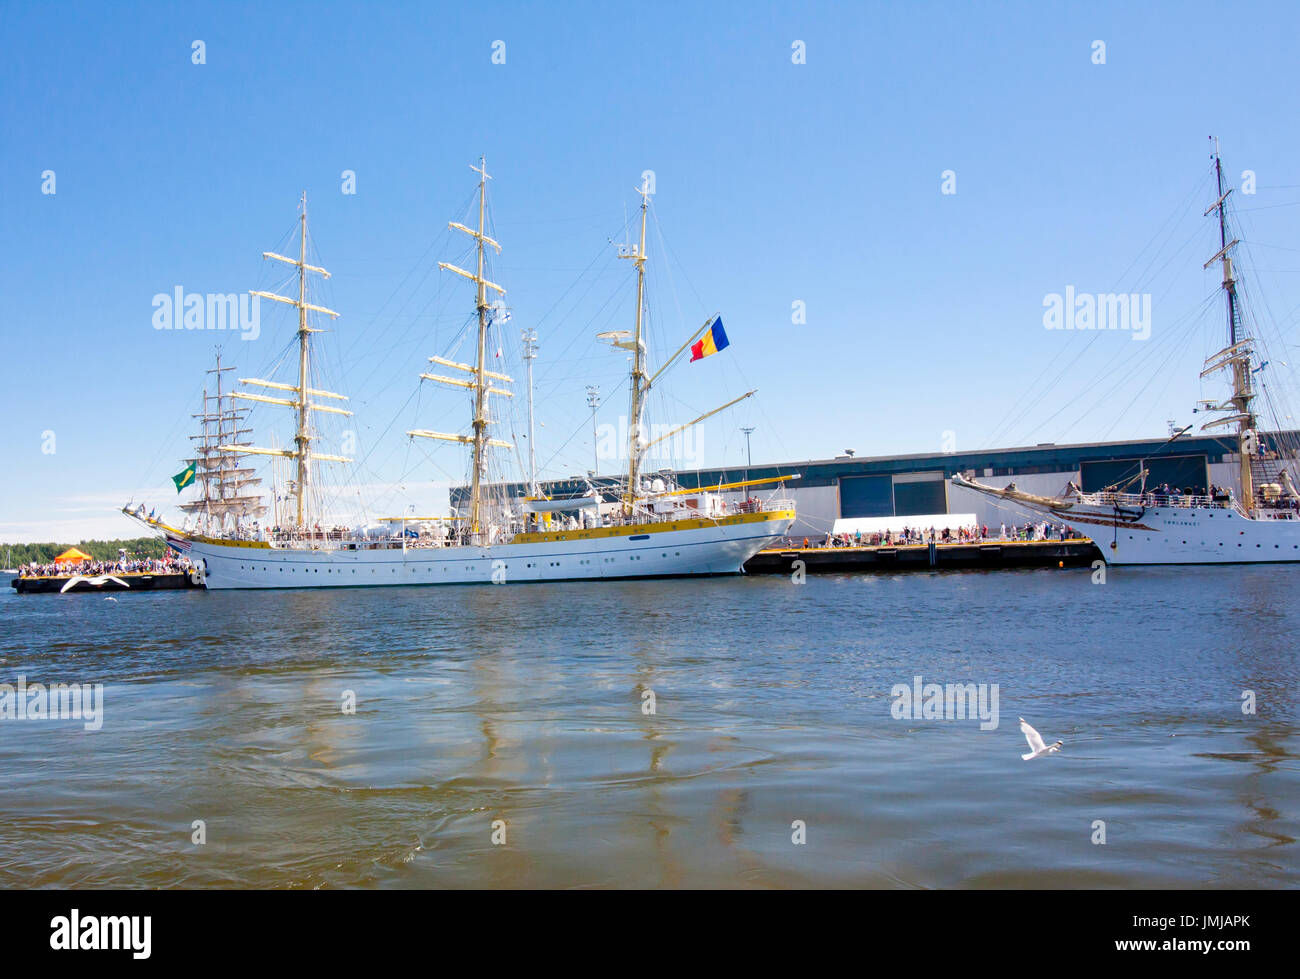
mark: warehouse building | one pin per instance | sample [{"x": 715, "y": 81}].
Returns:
[{"x": 918, "y": 486}]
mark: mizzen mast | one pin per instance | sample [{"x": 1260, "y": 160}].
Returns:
[
  {"x": 1237, "y": 354},
  {"x": 303, "y": 408},
  {"x": 639, "y": 385}
]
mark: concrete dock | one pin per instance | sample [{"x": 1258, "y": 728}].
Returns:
[{"x": 989, "y": 555}]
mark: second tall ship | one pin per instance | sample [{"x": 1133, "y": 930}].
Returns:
[
  {"x": 646, "y": 527},
  {"x": 1255, "y": 522}
]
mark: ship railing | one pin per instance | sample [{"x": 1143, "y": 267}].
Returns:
[
  {"x": 754, "y": 505},
  {"x": 1277, "y": 511},
  {"x": 353, "y": 542},
  {"x": 1154, "y": 500}
]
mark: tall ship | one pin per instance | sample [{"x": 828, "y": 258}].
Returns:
[
  {"x": 646, "y": 526},
  {"x": 1256, "y": 521},
  {"x": 227, "y": 499}
]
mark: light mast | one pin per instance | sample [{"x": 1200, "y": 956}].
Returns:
[{"x": 529, "y": 338}]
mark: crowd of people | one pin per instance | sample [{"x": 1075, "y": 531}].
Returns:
[
  {"x": 976, "y": 534},
  {"x": 1179, "y": 496},
  {"x": 1165, "y": 495},
  {"x": 123, "y": 565}
]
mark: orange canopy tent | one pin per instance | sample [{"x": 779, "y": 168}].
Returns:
[{"x": 72, "y": 556}]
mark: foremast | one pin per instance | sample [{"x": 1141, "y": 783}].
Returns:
[
  {"x": 222, "y": 481},
  {"x": 303, "y": 408},
  {"x": 1237, "y": 354},
  {"x": 480, "y": 383}
]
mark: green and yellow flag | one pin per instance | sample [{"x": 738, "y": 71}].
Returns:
[{"x": 183, "y": 479}]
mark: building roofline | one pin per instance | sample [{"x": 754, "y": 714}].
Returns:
[{"x": 1040, "y": 447}]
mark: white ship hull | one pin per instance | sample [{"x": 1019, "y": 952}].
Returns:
[
  {"x": 1186, "y": 535},
  {"x": 1130, "y": 529},
  {"x": 689, "y": 547}
]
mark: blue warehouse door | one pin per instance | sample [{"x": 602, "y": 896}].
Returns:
[{"x": 866, "y": 496}]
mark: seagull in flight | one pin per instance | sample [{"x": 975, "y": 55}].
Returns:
[
  {"x": 1036, "y": 746},
  {"x": 98, "y": 581}
]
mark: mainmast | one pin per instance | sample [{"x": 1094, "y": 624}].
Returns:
[
  {"x": 304, "y": 351},
  {"x": 638, "y": 363},
  {"x": 1237, "y": 354},
  {"x": 480, "y": 384},
  {"x": 303, "y": 408},
  {"x": 1229, "y": 282}
]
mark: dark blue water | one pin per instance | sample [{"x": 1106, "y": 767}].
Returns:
[{"x": 523, "y": 706}]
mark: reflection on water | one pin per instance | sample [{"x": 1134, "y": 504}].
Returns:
[{"x": 528, "y": 707}]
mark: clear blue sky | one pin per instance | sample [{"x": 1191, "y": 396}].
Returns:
[{"x": 775, "y": 182}]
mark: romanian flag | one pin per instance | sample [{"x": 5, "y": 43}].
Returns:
[
  {"x": 715, "y": 339},
  {"x": 184, "y": 478}
]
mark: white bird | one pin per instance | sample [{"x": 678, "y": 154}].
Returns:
[
  {"x": 109, "y": 598},
  {"x": 1037, "y": 748},
  {"x": 98, "y": 582}
]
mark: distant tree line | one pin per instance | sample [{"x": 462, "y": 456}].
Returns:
[{"x": 101, "y": 550}]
